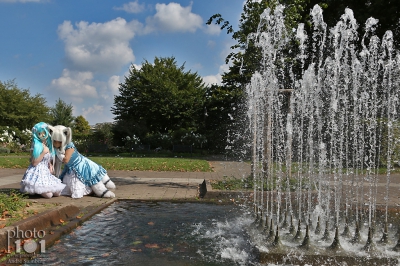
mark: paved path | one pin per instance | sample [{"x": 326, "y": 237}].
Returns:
[
  {"x": 150, "y": 185},
  {"x": 145, "y": 185}
]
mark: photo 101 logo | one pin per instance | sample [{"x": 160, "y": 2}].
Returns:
[{"x": 24, "y": 240}]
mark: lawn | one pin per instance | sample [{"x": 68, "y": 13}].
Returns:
[{"x": 126, "y": 163}]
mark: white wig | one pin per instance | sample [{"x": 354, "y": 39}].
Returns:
[{"x": 61, "y": 133}]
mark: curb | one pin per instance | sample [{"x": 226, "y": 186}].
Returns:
[
  {"x": 55, "y": 232},
  {"x": 47, "y": 226},
  {"x": 26, "y": 228}
]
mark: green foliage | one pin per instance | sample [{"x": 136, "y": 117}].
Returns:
[
  {"x": 81, "y": 133},
  {"x": 156, "y": 140},
  {"x": 12, "y": 202},
  {"x": 61, "y": 114},
  {"x": 18, "y": 109},
  {"x": 221, "y": 111},
  {"x": 159, "y": 97},
  {"x": 81, "y": 125},
  {"x": 4, "y": 150},
  {"x": 246, "y": 57},
  {"x": 102, "y": 134}
]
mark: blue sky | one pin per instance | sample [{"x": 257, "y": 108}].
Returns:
[{"x": 80, "y": 50}]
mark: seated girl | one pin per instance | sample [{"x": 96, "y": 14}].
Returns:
[{"x": 38, "y": 178}]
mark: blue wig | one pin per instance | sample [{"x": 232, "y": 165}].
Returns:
[{"x": 40, "y": 132}]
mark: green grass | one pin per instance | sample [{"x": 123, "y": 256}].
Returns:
[
  {"x": 127, "y": 164},
  {"x": 18, "y": 161},
  {"x": 153, "y": 164},
  {"x": 11, "y": 204},
  {"x": 232, "y": 183}
]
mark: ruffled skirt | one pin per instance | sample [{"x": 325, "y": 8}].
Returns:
[
  {"x": 38, "y": 179},
  {"x": 74, "y": 187}
]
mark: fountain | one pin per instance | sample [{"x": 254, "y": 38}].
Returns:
[{"x": 323, "y": 121}]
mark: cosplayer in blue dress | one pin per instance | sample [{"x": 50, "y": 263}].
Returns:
[
  {"x": 80, "y": 174},
  {"x": 38, "y": 178}
]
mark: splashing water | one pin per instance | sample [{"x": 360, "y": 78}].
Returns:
[{"x": 323, "y": 121}]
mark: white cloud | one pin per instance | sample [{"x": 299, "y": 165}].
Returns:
[
  {"x": 97, "y": 47},
  {"x": 89, "y": 97},
  {"x": 93, "y": 111},
  {"x": 216, "y": 79},
  {"x": 213, "y": 29},
  {"x": 132, "y": 7},
  {"x": 173, "y": 18},
  {"x": 113, "y": 84},
  {"x": 212, "y": 79},
  {"x": 74, "y": 86}
]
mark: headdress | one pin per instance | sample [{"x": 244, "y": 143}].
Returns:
[
  {"x": 61, "y": 133},
  {"x": 40, "y": 133}
]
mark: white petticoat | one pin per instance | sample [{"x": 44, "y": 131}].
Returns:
[
  {"x": 74, "y": 187},
  {"x": 38, "y": 179}
]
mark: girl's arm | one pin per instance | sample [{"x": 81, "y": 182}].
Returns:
[
  {"x": 68, "y": 154},
  {"x": 51, "y": 167},
  {"x": 36, "y": 161}
]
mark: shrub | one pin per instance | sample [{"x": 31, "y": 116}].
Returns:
[{"x": 4, "y": 150}]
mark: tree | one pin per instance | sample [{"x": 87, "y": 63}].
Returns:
[
  {"x": 61, "y": 114},
  {"x": 19, "y": 109},
  {"x": 81, "y": 125},
  {"x": 220, "y": 109},
  {"x": 245, "y": 58},
  {"x": 159, "y": 97},
  {"x": 103, "y": 134}
]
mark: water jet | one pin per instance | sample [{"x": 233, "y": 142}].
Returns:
[{"x": 322, "y": 123}]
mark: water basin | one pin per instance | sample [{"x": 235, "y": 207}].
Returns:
[{"x": 157, "y": 233}]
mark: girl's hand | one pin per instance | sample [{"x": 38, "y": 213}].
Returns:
[
  {"x": 45, "y": 149},
  {"x": 51, "y": 168}
]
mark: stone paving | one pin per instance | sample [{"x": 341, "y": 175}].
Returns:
[{"x": 144, "y": 185}]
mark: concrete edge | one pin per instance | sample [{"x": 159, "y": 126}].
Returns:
[
  {"x": 29, "y": 227},
  {"x": 55, "y": 233},
  {"x": 49, "y": 226}
]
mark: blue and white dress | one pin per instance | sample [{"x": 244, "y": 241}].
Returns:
[
  {"x": 38, "y": 179},
  {"x": 80, "y": 173}
]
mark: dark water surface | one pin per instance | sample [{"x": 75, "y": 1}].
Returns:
[{"x": 157, "y": 233}]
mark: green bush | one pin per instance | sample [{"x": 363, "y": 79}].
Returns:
[{"x": 4, "y": 150}]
